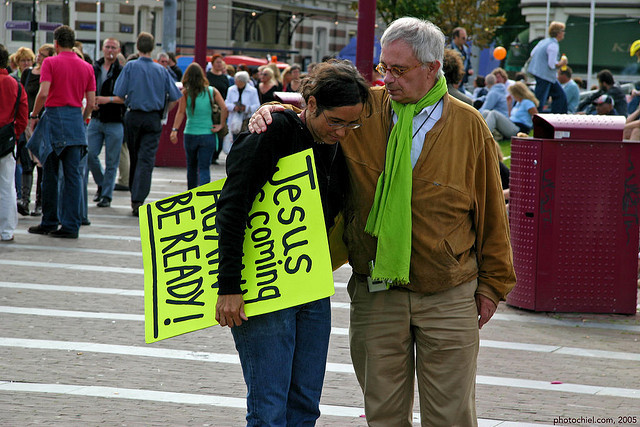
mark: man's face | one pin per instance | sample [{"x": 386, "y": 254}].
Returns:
[
  {"x": 562, "y": 78},
  {"x": 418, "y": 79},
  {"x": 461, "y": 38},
  {"x": 164, "y": 61},
  {"x": 110, "y": 49},
  {"x": 604, "y": 108}
]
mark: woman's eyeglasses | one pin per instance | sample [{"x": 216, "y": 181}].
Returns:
[{"x": 337, "y": 126}]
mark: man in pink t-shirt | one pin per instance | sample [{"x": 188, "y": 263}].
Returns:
[{"x": 59, "y": 140}]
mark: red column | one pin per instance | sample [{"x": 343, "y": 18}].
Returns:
[
  {"x": 366, "y": 33},
  {"x": 202, "y": 14}
]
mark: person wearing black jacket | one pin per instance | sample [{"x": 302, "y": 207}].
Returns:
[
  {"x": 608, "y": 86},
  {"x": 296, "y": 339},
  {"x": 106, "y": 126}
]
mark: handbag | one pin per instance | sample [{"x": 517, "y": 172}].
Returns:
[
  {"x": 216, "y": 117},
  {"x": 8, "y": 131}
]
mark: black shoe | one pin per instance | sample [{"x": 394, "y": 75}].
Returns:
[
  {"x": 120, "y": 187},
  {"x": 105, "y": 202},
  {"x": 39, "y": 229},
  {"x": 135, "y": 206},
  {"x": 96, "y": 198},
  {"x": 23, "y": 208},
  {"x": 37, "y": 211},
  {"x": 64, "y": 234},
  {"x": 85, "y": 222}
]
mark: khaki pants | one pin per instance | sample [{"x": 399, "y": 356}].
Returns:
[{"x": 397, "y": 334}]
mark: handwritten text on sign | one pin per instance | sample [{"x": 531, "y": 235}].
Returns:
[{"x": 286, "y": 256}]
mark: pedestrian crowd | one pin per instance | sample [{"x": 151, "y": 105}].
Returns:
[
  {"x": 546, "y": 85},
  {"x": 409, "y": 166}
]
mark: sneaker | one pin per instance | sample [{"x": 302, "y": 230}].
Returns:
[
  {"x": 10, "y": 239},
  {"x": 96, "y": 198},
  {"x": 105, "y": 202},
  {"x": 40, "y": 229}
]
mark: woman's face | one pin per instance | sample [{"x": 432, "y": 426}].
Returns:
[
  {"x": 40, "y": 57},
  {"x": 295, "y": 74},
  {"x": 218, "y": 64},
  {"x": 25, "y": 63},
  {"x": 264, "y": 77},
  {"x": 330, "y": 126}
]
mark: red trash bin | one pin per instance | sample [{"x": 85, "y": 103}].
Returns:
[{"x": 573, "y": 212}]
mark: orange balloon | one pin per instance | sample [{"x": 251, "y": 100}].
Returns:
[{"x": 499, "y": 53}]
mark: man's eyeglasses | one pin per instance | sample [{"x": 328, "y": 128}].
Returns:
[
  {"x": 395, "y": 71},
  {"x": 336, "y": 126}
]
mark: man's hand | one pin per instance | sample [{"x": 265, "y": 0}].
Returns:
[
  {"x": 217, "y": 128},
  {"x": 33, "y": 123},
  {"x": 262, "y": 117},
  {"x": 230, "y": 310},
  {"x": 486, "y": 308}
]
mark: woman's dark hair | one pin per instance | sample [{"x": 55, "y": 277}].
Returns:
[
  {"x": 334, "y": 84},
  {"x": 452, "y": 66},
  {"x": 194, "y": 82}
]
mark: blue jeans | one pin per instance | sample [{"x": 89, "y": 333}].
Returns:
[
  {"x": 199, "y": 150},
  {"x": 283, "y": 356},
  {"x": 70, "y": 217},
  {"x": 544, "y": 89},
  {"x": 109, "y": 134}
]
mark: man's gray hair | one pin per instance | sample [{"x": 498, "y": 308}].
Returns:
[
  {"x": 243, "y": 76},
  {"x": 425, "y": 39},
  {"x": 490, "y": 80},
  {"x": 162, "y": 55}
]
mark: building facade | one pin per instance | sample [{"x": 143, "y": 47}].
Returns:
[{"x": 301, "y": 31}]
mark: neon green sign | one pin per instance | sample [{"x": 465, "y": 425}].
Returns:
[{"x": 286, "y": 255}]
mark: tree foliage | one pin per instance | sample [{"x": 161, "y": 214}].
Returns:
[{"x": 479, "y": 17}]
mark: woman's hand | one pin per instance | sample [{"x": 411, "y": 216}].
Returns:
[
  {"x": 174, "y": 137},
  {"x": 217, "y": 128},
  {"x": 230, "y": 310}
]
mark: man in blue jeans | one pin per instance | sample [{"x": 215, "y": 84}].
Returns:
[
  {"x": 147, "y": 90},
  {"x": 60, "y": 140},
  {"x": 544, "y": 66},
  {"x": 106, "y": 123}
]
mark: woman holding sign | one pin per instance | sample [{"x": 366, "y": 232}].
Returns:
[{"x": 283, "y": 353}]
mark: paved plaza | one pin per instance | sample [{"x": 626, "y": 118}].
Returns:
[{"x": 72, "y": 349}]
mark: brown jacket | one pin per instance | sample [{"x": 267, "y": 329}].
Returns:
[{"x": 460, "y": 230}]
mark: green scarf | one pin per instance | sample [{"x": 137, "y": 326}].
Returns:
[{"x": 390, "y": 216}]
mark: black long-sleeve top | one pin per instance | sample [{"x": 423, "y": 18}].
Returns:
[{"x": 250, "y": 164}]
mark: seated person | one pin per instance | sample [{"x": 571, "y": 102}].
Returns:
[
  {"x": 521, "y": 116},
  {"x": 496, "y": 98}
]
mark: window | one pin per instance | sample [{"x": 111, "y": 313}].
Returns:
[{"x": 21, "y": 12}]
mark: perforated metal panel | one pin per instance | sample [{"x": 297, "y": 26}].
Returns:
[
  {"x": 574, "y": 225},
  {"x": 523, "y": 185}
]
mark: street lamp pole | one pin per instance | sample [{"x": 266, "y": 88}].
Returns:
[
  {"x": 202, "y": 12},
  {"x": 365, "y": 38}
]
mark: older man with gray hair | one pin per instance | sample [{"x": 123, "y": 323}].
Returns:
[{"x": 427, "y": 235}]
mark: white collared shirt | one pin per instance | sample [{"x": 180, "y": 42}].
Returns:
[{"x": 418, "y": 120}]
